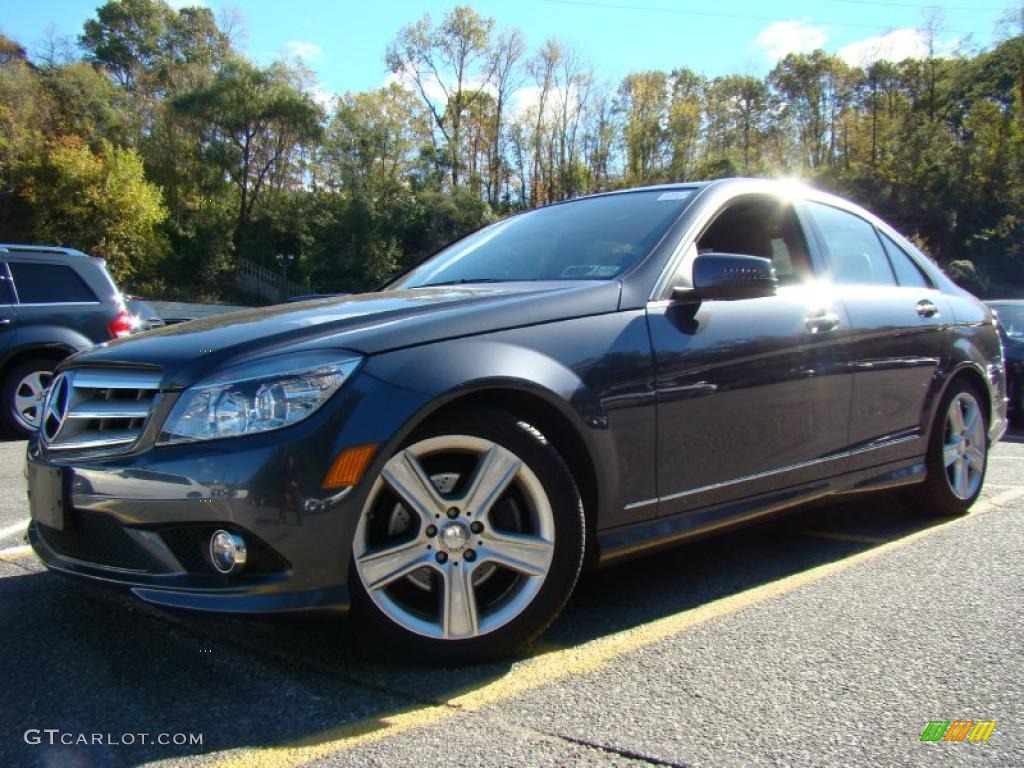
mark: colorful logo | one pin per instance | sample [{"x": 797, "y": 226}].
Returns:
[{"x": 958, "y": 730}]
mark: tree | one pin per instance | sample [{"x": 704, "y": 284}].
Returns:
[
  {"x": 25, "y": 113},
  {"x": 374, "y": 140},
  {"x": 450, "y": 66},
  {"x": 147, "y": 45},
  {"x": 643, "y": 103},
  {"x": 684, "y": 121},
  {"x": 256, "y": 118},
  {"x": 98, "y": 202},
  {"x": 813, "y": 87}
]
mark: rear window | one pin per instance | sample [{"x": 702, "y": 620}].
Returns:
[{"x": 40, "y": 283}]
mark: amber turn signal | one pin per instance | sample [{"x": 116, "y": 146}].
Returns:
[{"x": 349, "y": 466}]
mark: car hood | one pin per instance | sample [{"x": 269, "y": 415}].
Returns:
[{"x": 367, "y": 323}]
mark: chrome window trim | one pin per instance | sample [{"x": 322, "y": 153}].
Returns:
[{"x": 717, "y": 194}]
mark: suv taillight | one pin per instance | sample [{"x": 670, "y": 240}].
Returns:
[{"x": 121, "y": 325}]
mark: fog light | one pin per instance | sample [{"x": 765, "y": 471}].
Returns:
[{"x": 227, "y": 552}]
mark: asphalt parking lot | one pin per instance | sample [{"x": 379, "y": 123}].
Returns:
[{"x": 829, "y": 637}]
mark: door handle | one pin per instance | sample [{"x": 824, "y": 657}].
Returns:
[
  {"x": 925, "y": 308},
  {"x": 821, "y": 320},
  {"x": 5, "y": 321}
]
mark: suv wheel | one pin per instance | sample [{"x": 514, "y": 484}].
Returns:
[
  {"x": 957, "y": 455},
  {"x": 21, "y": 394},
  {"x": 470, "y": 541}
]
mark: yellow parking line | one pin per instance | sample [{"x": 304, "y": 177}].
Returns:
[
  {"x": 841, "y": 536},
  {"x": 586, "y": 658},
  {"x": 15, "y": 553}
]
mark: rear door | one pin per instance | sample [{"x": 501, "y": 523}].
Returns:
[{"x": 897, "y": 333}]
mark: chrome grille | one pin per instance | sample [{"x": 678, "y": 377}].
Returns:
[{"x": 96, "y": 408}]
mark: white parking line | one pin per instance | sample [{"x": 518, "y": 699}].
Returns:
[
  {"x": 14, "y": 553},
  {"x": 10, "y": 530}
]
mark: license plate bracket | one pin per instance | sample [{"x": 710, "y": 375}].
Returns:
[{"x": 47, "y": 496}]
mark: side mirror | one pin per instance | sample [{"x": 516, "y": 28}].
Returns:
[{"x": 729, "y": 276}]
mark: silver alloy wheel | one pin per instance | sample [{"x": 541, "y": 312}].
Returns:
[
  {"x": 964, "y": 446},
  {"x": 456, "y": 537},
  {"x": 28, "y": 398}
]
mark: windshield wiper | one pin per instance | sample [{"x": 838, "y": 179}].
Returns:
[{"x": 465, "y": 280}]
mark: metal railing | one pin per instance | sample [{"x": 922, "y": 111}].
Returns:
[{"x": 265, "y": 283}]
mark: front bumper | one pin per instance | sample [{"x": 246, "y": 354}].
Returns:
[
  {"x": 141, "y": 521},
  {"x": 179, "y": 589}
]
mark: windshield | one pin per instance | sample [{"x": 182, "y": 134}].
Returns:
[
  {"x": 595, "y": 238},
  {"x": 1011, "y": 319}
]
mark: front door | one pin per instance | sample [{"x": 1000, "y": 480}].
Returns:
[{"x": 753, "y": 395}]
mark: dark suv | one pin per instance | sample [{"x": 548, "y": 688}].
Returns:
[
  {"x": 53, "y": 302},
  {"x": 575, "y": 384}
]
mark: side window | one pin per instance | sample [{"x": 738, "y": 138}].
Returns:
[
  {"x": 761, "y": 226},
  {"x": 41, "y": 283},
  {"x": 856, "y": 251},
  {"x": 906, "y": 269}
]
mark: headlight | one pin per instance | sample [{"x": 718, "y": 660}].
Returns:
[{"x": 257, "y": 396}]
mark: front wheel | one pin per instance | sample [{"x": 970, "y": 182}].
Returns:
[
  {"x": 470, "y": 541},
  {"x": 957, "y": 455}
]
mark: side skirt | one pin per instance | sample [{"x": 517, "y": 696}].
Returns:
[{"x": 620, "y": 543}]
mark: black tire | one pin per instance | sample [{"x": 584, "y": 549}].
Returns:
[
  {"x": 569, "y": 529},
  {"x": 9, "y": 418},
  {"x": 935, "y": 496}
]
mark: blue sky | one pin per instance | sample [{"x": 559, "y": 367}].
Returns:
[{"x": 344, "y": 41}]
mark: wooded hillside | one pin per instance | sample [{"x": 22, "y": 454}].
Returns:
[{"x": 150, "y": 140}]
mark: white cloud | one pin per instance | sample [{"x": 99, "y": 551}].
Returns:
[
  {"x": 305, "y": 50},
  {"x": 897, "y": 45},
  {"x": 432, "y": 86},
  {"x": 323, "y": 97},
  {"x": 784, "y": 37},
  {"x": 179, "y": 4},
  {"x": 525, "y": 99}
]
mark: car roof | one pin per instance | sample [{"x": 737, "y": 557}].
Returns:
[
  {"x": 738, "y": 184},
  {"x": 41, "y": 249}
]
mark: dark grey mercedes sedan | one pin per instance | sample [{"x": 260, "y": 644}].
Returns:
[{"x": 568, "y": 387}]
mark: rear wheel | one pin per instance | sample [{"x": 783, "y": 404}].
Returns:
[
  {"x": 21, "y": 394},
  {"x": 957, "y": 454},
  {"x": 470, "y": 541}
]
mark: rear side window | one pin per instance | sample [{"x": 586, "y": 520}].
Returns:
[
  {"x": 39, "y": 283},
  {"x": 906, "y": 269},
  {"x": 856, "y": 251}
]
